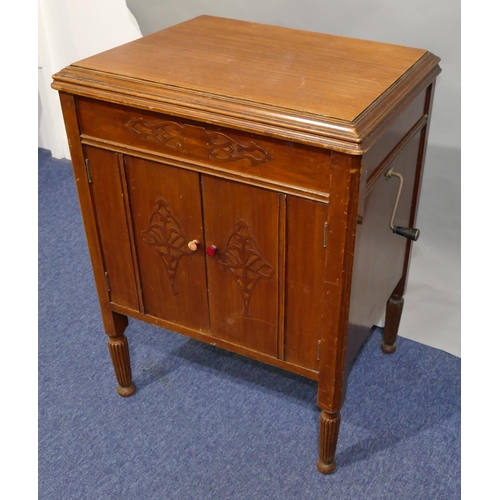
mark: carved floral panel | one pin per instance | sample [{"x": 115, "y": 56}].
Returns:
[
  {"x": 242, "y": 257},
  {"x": 165, "y": 235},
  {"x": 198, "y": 142}
]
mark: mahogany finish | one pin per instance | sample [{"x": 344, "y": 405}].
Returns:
[
  {"x": 172, "y": 277},
  {"x": 232, "y": 182}
]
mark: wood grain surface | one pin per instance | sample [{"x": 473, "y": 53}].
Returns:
[{"x": 322, "y": 74}]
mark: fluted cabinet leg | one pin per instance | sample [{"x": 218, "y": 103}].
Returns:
[
  {"x": 329, "y": 424},
  {"x": 393, "y": 312},
  {"x": 118, "y": 350}
]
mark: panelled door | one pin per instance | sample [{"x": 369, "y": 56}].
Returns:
[
  {"x": 202, "y": 252},
  {"x": 241, "y": 226},
  {"x": 105, "y": 179},
  {"x": 166, "y": 215}
]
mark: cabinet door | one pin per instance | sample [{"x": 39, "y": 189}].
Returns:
[
  {"x": 305, "y": 262},
  {"x": 110, "y": 212},
  {"x": 242, "y": 223},
  {"x": 165, "y": 206}
]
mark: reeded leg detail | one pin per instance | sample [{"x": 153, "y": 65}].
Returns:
[
  {"x": 118, "y": 349},
  {"x": 329, "y": 424},
  {"x": 393, "y": 312}
]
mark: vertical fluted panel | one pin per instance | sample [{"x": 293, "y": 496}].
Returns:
[
  {"x": 118, "y": 350},
  {"x": 328, "y": 433}
]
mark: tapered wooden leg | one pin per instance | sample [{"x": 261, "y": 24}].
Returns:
[
  {"x": 118, "y": 349},
  {"x": 115, "y": 325},
  {"x": 393, "y": 312},
  {"x": 329, "y": 424}
]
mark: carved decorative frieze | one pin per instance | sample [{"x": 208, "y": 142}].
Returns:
[
  {"x": 165, "y": 235},
  {"x": 242, "y": 257},
  {"x": 198, "y": 142}
]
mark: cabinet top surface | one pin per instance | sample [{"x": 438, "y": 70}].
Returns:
[
  {"x": 316, "y": 73},
  {"x": 255, "y": 76}
]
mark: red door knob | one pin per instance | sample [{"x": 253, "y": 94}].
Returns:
[{"x": 211, "y": 250}]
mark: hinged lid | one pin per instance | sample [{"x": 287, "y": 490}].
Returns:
[{"x": 315, "y": 88}]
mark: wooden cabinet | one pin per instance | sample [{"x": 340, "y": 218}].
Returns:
[{"x": 238, "y": 185}]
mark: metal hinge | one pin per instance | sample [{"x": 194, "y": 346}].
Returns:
[
  {"x": 87, "y": 167},
  {"x": 319, "y": 349},
  {"x": 325, "y": 233},
  {"x": 106, "y": 277}
]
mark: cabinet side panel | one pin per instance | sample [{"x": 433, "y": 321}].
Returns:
[
  {"x": 304, "y": 279},
  {"x": 407, "y": 116},
  {"x": 166, "y": 216},
  {"x": 380, "y": 254},
  {"x": 107, "y": 194},
  {"x": 242, "y": 222}
]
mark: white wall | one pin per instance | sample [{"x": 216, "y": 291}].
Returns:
[{"x": 70, "y": 30}]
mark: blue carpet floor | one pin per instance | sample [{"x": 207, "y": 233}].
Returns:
[{"x": 206, "y": 424}]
